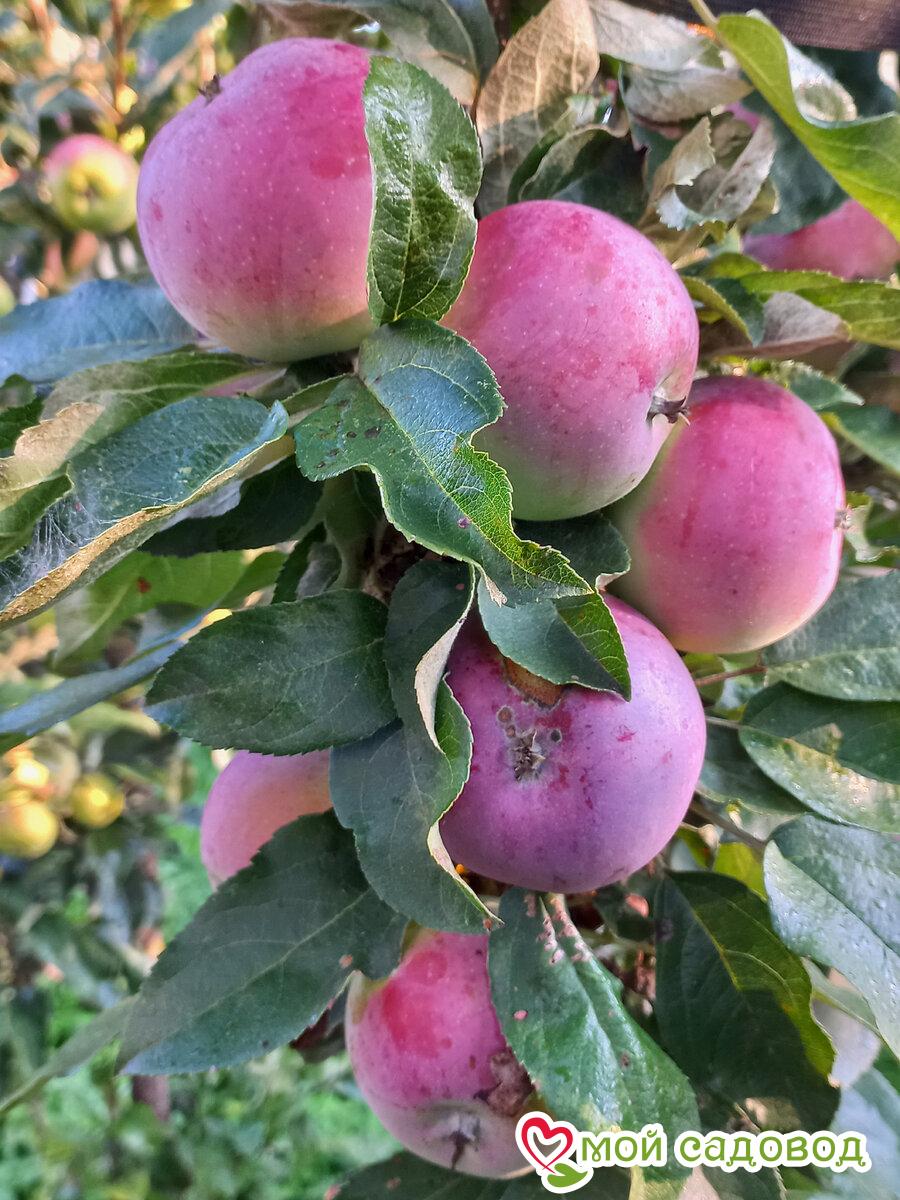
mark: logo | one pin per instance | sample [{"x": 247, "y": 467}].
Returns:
[{"x": 550, "y": 1147}]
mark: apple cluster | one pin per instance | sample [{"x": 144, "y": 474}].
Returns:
[{"x": 255, "y": 209}]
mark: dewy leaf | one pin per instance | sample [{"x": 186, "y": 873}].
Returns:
[
  {"x": 733, "y": 1003},
  {"x": 264, "y": 956},
  {"x": 120, "y": 493},
  {"x": 393, "y": 788},
  {"x": 730, "y": 777},
  {"x": 863, "y": 155},
  {"x": 833, "y": 894},
  {"x": 427, "y": 171},
  {"x": 851, "y": 647},
  {"x": 86, "y": 618},
  {"x": 283, "y": 679},
  {"x": 98, "y": 322},
  {"x": 563, "y": 1017},
  {"x": 574, "y": 640},
  {"x": 80, "y": 1048},
  {"x": 543, "y": 64},
  {"x": 421, "y": 393},
  {"x": 72, "y": 696},
  {"x": 840, "y": 759}
]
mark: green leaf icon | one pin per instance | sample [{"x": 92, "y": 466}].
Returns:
[{"x": 564, "y": 1174}]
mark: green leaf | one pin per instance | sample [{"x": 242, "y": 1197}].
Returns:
[
  {"x": 851, "y": 647},
  {"x": 574, "y": 640},
  {"x": 819, "y": 391},
  {"x": 421, "y": 393},
  {"x": 271, "y": 507},
  {"x": 78, "y": 1050},
  {"x": 121, "y": 392},
  {"x": 833, "y": 896},
  {"x": 873, "y": 429},
  {"x": 264, "y": 956},
  {"x": 742, "y": 1185},
  {"x": 863, "y": 155},
  {"x": 592, "y": 544},
  {"x": 545, "y": 62},
  {"x": 393, "y": 788},
  {"x": 563, "y": 1017},
  {"x": 283, "y": 679},
  {"x": 731, "y": 300},
  {"x": 840, "y": 759},
  {"x": 97, "y": 322},
  {"x": 872, "y": 1108},
  {"x": 72, "y": 696},
  {"x": 733, "y": 1003},
  {"x": 870, "y": 311},
  {"x": 590, "y": 166},
  {"x": 120, "y": 493},
  {"x": 85, "y": 619},
  {"x": 730, "y": 777},
  {"x": 81, "y": 411},
  {"x": 427, "y": 171},
  {"x": 19, "y": 409}
]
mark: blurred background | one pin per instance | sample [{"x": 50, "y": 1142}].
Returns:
[{"x": 99, "y": 818}]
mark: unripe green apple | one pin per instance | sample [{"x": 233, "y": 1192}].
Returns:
[
  {"x": 93, "y": 184},
  {"x": 7, "y": 299},
  {"x": 95, "y": 801},
  {"x": 28, "y": 828}
]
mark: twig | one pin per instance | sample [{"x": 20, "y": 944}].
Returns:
[
  {"x": 735, "y": 831},
  {"x": 118, "y": 32},
  {"x": 706, "y": 680}
]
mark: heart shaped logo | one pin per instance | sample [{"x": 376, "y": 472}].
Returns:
[{"x": 559, "y": 1137}]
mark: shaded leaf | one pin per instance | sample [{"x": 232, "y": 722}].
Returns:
[
  {"x": 730, "y": 777},
  {"x": 733, "y": 1003},
  {"x": 393, "y": 788},
  {"x": 74, "y": 1053},
  {"x": 553, "y": 56},
  {"x": 283, "y": 679},
  {"x": 264, "y": 956},
  {"x": 120, "y": 492},
  {"x": 72, "y": 696}
]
